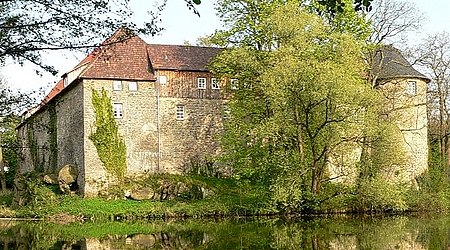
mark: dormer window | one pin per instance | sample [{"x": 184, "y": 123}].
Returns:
[
  {"x": 117, "y": 85},
  {"x": 201, "y": 83},
  {"x": 411, "y": 88}
]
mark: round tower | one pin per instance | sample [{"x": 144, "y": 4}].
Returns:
[{"x": 404, "y": 90}]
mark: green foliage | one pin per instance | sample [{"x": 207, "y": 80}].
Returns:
[
  {"x": 33, "y": 146},
  {"x": 381, "y": 194},
  {"x": 300, "y": 96},
  {"x": 433, "y": 186},
  {"x": 110, "y": 145},
  {"x": 10, "y": 146}
]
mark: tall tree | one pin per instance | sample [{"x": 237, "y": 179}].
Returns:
[
  {"x": 433, "y": 55},
  {"x": 391, "y": 20},
  {"x": 299, "y": 97}
]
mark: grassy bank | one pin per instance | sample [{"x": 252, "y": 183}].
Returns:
[{"x": 229, "y": 199}]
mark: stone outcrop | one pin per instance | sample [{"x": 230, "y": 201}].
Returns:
[
  {"x": 168, "y": 190},
  {"x": 67, "y": 178}
]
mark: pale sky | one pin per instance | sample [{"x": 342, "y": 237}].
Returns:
[{"x": 182, "y": 25}]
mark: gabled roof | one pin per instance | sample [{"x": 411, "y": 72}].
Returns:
[
  {"x": 179, "y": 57},
  {"x": 122, "y": 56},
  {"x": 55, "y": 90},
  {"x": 389, "y": 63}
]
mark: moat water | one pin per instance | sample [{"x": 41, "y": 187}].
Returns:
[{"x": 361, "y": 232}]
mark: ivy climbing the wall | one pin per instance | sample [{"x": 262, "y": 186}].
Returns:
[
  {"x": 53, "y": 135},
  {"x": 110, "y": 145},
  {"x": 33, "y": 145}
]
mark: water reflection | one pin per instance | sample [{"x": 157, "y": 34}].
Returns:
[{"x": 398, "y": 232}]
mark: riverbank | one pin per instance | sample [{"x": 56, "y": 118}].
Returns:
[{"x": 226, "y": 197}]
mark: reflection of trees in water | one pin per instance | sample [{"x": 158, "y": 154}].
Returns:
[{"x": 314, "y": 233}]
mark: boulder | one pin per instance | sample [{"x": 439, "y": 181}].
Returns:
[
  {"x": 67, "y": 177},
  {"x": 51, "y": 179},
  {"x": 145, "y": 193}
]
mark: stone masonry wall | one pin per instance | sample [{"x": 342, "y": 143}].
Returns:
[
  {"x": 37, "y": 132},
  {"x": 178, "y": 143},
  {"x": 34, "y": 140},
  {"x": 410, "y": 114}
]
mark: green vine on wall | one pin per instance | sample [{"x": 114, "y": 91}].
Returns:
[
  {"x": 32, "y": 144},
  {"x": 110, "y": 145},
  {"x": 52, "y": 131}
]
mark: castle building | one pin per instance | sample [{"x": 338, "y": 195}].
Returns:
[{"x": 169, "y": 110}]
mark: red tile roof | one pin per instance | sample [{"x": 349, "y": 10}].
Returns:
[
  {"x": 122, "y": 56},
  {"x": 178, "y": 57},
  {"x": 126, "y": 56},
  {"x": 55, "y": 90}
]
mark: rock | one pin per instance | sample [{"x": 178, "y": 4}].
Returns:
[
  {"x": 145, "y": 193},
  {"x": 51, "y": 179},
  {"x": 67, "y": 177}
]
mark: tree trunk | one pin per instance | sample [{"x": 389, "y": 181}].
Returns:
[
  {"x": 299, "y": 135},
  {"x": 2, "y": 172}
]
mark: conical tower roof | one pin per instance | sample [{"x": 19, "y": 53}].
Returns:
[{"x": 389, "y": 63}]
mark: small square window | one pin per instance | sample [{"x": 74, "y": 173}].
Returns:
[
  {"x": 162, "y": 80},
  {"x": 201, "y": 83},
  {"x": 118, "y": 110},
  {"x": 214, "y": 83},
  {"x": 132, "y": 86},
  {"x": 117, "y": 85},
  {"x": 180, "y": 112},
  {"x": 411, "y": 88},
  {"x": 234, "y": 84}
]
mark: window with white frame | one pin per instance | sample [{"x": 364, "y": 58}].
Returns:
[
  {"x": 234, "y": 83},
  {"x": 117, "y": 85},
  {"x": 180, "y": 115},
  {"x": 132, "y": 86},
  {"x": 411, "y": 88},
  {"x": 162, "y": 80},
  {"x": 118, "y": 110},
  {"x": 201, "y": 83},
  {"x": 214, "y": 83}
]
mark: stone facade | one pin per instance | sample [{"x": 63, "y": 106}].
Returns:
[
  {"x": 40, "y": 130},
  {"x": 158, "y": 137},
  {"x": 169, "y": 110}
]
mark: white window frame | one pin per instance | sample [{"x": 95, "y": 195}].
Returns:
[
  {"x": 234, "y": 83},
  {"x": 162, "y": 80},
  {"x": 411, "y": 88},
  {"x": 201, "y": 82},
  {"x": 133, "y": 86},
  {"x": 118, "y": 110},
  {"x": 117, "y": 85},
  {"x": 215, "y": 83},
  {"x": 180, "y": 112}
]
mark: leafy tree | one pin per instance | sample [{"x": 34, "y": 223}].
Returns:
[
  {"x": 28, "y": 27},
  {"x": 11, "y": 103},
  {"x": 297, "y": 101},
  {"x": 433, "y": 55}
]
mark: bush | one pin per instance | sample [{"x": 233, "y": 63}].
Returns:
[{"x": 380, "y": 194}]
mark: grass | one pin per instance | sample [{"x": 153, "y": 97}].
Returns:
[{"x": 228, "y": 199}]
